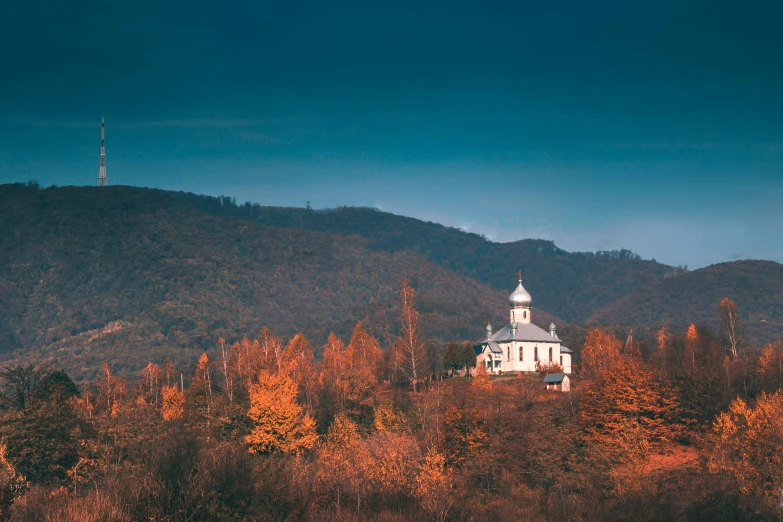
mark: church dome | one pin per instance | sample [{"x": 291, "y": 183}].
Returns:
[{"x": 520, "y": 298}]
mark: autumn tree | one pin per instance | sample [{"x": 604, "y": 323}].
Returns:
[
  {"x": 199, "y": 398},
  {"x": 388, "y": 418},
  {"x": 749, "y": 446},
  {"x": 481, "y": 382},
  {"x": 770, "y": 367},
  {"x": 409, "y": 345},
  {"x": 269, "y": 355},
  {"x": 730, "y": 325},
  {"x": 663, "y": 342},
  {"x": 601, "y": 351},
  {"x": 168, "y": 372},
  {"x": 172, "y": 403},
  {"x": 279, "y": 423},
  {"x": 364, "y": 350},
  {"x": 432, "y": 485},
  {"x": 340, "y": 461},
  {"x": 298, "y": 364},
  {"x": 692, "y": 346},
  {"x": 112, "y": 391},
  {"x": 151, "y": 381},
  {"x": 391, "y": 463},
  {"x": 629, "y": 392},
  {"x": 464, "y": 435}
]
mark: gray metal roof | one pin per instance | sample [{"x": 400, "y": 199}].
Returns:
[
  {"x": 565, "y": 349},
  {"x": 523, "y": 332},
  {"x": 554, "y": 378},
  {"x": 493, "y": 347}
]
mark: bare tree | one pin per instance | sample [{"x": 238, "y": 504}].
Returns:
[
  {"x": 730, "y": 326},
  {"x": 228, "y": 382},
  {"x": 411, "y": 348},
  {"x": 19, "y": 382}
]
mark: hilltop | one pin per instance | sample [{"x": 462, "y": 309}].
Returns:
[
  {"x": 755, "y": 286},
  {"x": 131, "y": 274}
]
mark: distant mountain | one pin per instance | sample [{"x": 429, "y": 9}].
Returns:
[
  {"x": 755, "y": 286},
  {"x": 569, "y": 285},
  {"x": 130, "y": 274},
  {"x": 127, "y": 275}
]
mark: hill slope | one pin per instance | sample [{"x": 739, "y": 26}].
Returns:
[
  {"x": 569, "y": 285},
  {"x": 130, "y": 274},
  {"x": 755, "y": 286}
]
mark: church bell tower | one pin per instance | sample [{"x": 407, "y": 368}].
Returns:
[{"x": 520, "y": 302}]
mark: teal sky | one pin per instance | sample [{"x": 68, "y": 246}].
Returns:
[{"x": 653, "y": 126}]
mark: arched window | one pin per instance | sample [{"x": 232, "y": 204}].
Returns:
[
  {"x": 561, "y": 360},
  {"x": 524, "y": 315},
  {"x": 521, "y": 353},
  {"x": 535, "y": 353},
  {"x": 508, "y": 353},
  {"x": 550, "y": 354}
]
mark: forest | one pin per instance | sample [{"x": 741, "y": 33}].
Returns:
[
  {"x": 686, "y": 427},
  {"x": 126, "y": 275}
]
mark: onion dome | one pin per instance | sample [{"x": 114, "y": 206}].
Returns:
[{"x": 520, "y": 298}]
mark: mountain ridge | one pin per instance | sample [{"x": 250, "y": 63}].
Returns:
[{"x": 179, "y": 270}]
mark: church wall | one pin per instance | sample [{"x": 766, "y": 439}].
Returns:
[
  {"x": 566, "y": 362},
  {"x": 511, "y": 362}
]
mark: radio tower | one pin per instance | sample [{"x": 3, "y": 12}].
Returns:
[{"x": 102, "y": 173}]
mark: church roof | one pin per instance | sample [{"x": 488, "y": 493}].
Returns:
[
  {"x": 523, "y": 332},
  {"x": 565, "y": 349},
  {"x": 554, "y": 378},
  {"x": 493, "y": 347}
]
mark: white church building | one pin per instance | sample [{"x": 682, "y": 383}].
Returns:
[{"x": 520, "y": 345}]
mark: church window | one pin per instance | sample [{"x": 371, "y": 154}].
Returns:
[
  {"x": 550, "y": 354},
  {"x": 524, "y": 315},
  {"x": 561, "y": 360},
  {"x": 508, "y": 353},
  {"x": 535, "y": 353},
  {"x": 521, "y": 354}
]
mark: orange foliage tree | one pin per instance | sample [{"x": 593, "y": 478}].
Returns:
[
  {"x": 770, "y": 367},
  {"x": 279, "y": 423},
  {"x": 629, "y": 392},
  {"x": 172, "y": 403},
  {"x": 340, "y": 460},
  {"x": 600, "y": 352},
  {"x": 199, "y": 394},
  {"x": 749, "y": 445},
  {"x": 365, "y": 351},
  {"x": 298, "y": 364},
  {"x": 432, "y": 486},
  {"x": 463, "y": 434}
]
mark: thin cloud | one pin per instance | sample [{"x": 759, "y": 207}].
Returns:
[{"x": 193, "y": 123}]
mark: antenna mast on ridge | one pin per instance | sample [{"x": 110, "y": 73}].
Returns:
[{"x": 102, "y": 173}]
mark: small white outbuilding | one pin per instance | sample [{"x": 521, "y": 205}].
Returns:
[{"x": 557, "y": 382}]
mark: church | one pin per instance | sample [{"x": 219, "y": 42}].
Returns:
[{"x": 520, "y": 345}]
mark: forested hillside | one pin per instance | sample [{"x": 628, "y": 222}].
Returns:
[
  {"x": 755, "y": 286},
  {"x": 131, "y": 274}
]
